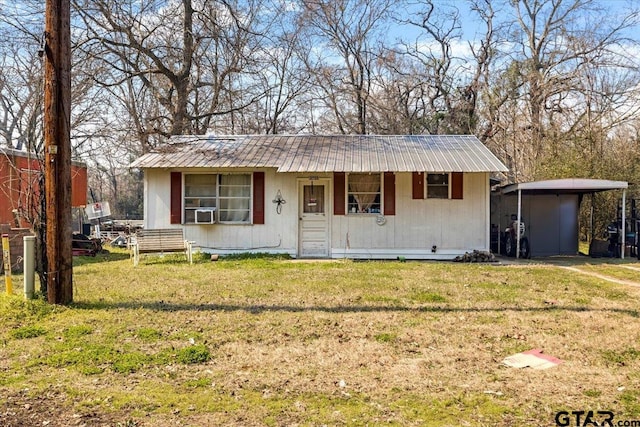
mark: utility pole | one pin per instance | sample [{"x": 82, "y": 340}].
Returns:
[{"x": 57, "y": 142}]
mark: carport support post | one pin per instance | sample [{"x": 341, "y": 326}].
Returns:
[
  {"x": 518, "y": 224},
  {"x": 500, "y": 228},
  {"x": 624, "y": 225},
  {"x": 592, "y": 230}
]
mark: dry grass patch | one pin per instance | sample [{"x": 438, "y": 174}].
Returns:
[
  {"x": 274, "y": 342},
  {"x": 617, "y": 271}
]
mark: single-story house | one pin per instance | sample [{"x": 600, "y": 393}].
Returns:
[
  {"x": 353, "y": 196},
  {"x": 549, "y": 210}
]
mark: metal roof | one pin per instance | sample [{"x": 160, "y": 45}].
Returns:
[
  {"x": 566, "y": 186},
  {"x": 9, "y": 152},
  {"x": 327, "y": 153}
]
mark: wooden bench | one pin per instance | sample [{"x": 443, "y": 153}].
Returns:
[{"x": 160, "y": 241}]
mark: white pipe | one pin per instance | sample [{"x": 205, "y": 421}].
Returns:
[{"x": 29, "y": 257}]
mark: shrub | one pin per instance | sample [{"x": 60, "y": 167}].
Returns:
[
  {"x": 198, "y": 353},
  {"x": 31, "y": 331}
]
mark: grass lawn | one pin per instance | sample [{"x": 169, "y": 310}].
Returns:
[{"x": 279, "y": 342}]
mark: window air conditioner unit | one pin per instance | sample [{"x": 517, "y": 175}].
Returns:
[{"x": 205, "y": 216}]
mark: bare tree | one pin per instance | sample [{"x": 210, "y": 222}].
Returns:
[
  {"x": 440, "y": 85},
  {"x": 565, "y": 45},
  {"x": 434, "y": 60},
  {"x": 21, "y": 84},
  {"x": 284, "y": 83},
  {"x": 173, "y": 63},
  {"x": 346, "y": 34},
  {"x": 21, "y": 81},
  {"x": 398, "y": 102}
]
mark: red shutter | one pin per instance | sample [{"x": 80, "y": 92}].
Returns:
[
  {"x": 176, "y": 198},
  {"x": 456, "y": 185},
  {"x": 338, "y": 193},
  {"x": 389, "y": 193},
  {"x": 258, "y": 197},
  {"x": 418, "y": 185}
]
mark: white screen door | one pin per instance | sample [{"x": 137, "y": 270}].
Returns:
[{"x": 314, "y": 225}]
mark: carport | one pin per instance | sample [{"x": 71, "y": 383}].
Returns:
[{"x": 552, "y": 209}]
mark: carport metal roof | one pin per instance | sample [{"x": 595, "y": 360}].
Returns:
[{"x": 566, "y": 186}]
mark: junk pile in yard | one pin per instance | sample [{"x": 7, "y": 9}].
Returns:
[
  {"x": 476, "y": 256},
  {"x": 85, "y": 246}
]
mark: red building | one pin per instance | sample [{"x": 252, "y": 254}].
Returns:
[{"x": 19, "y": 186}]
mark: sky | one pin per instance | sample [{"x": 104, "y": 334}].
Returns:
[{"x": 472, "y": 28}]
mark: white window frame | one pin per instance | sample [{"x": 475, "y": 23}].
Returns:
[
  {"x": 214, "y": 204},
  {"x": 426, "y": 186},
  {"x": 350, "y": 207},
  {"x": 248, "y": 198}
]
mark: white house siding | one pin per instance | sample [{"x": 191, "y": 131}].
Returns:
[
  {"x": 157, "y": 199},
  {"x": 453, "y": 226},
  {"x": 277, "y": 235}
]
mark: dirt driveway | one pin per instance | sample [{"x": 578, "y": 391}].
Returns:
[{"x": 601, "y": 268}]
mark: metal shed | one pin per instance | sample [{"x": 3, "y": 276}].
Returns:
[{"x": 550, "y": 209}]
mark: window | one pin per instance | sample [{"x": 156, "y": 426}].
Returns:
[
  {"x": 235, "y": 197},
  {"x": 217, "y": 198},
  {"x": 313, "y": 199},
  {"x": 437, "y": 186},
  {"x": 200, "y": 193},
  {"x": 363, "y": 193}
]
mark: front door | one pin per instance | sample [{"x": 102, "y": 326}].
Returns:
[{"x": 313, "y": 230}]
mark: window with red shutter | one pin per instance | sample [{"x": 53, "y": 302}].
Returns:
[
  {"x": 389, "y": 193},
  {"x": 176, "y": 198},
  {"x": 456, "y": 185},
  {"x": 258, "y": 197},
  {"x": 338, "y": 193},
  {"x": 417, "y": 187}
]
